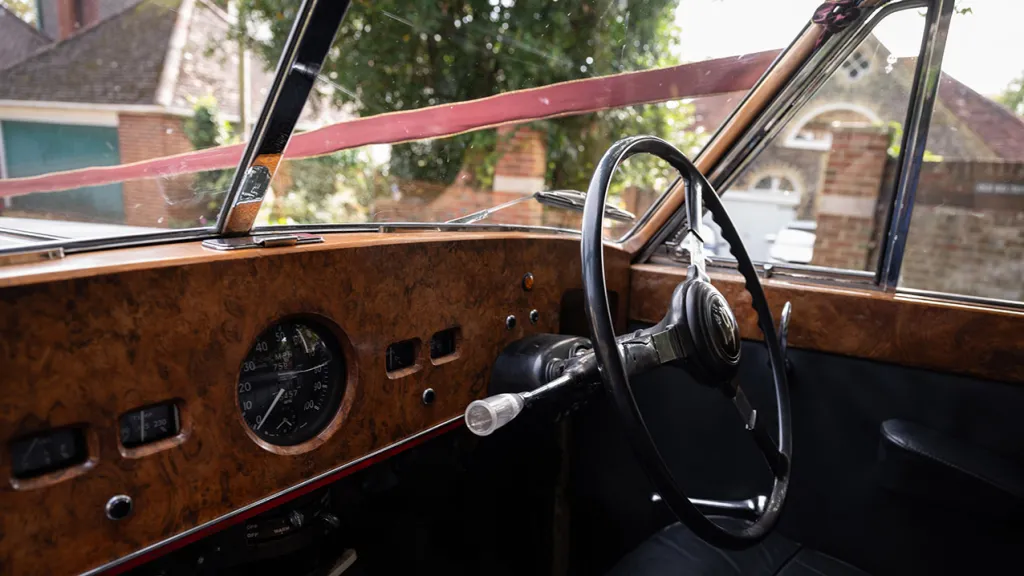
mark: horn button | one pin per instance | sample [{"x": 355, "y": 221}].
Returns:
[{"x": 715, "y": 332}]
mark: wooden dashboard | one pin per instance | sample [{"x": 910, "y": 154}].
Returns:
[{"x": 87, "y": 338}]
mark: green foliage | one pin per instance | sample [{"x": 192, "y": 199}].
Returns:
[
  {"x": 896, "y": 143},
  {"x": 204, "y": 129},
  {"x": 24, "y": 9},
  {"x": 335, "y": 188},
  {"x": 1013, "y": 96},
  {"x": 390, "y": 56}
]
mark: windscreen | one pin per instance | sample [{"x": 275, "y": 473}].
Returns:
[
  {"x": 124, "y": 117},
  {"x": 438, "y": 110}
]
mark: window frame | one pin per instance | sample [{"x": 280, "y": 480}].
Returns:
[{"x": 786, "y": 108}]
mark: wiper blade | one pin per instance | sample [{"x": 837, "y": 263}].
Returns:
[
  {"x": 29, "y": 234},
  {"x": 565, "y": 199}
]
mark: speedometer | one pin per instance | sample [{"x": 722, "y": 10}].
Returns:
[{"x": 292, "y": 382}]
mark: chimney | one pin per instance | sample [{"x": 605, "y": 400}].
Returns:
[{"x": 74, "y": 15}]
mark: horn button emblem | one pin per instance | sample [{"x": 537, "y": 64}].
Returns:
[{"x": 721, "y": 326}]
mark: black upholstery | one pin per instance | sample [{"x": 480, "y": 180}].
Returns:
[
  {"x": 929, "y": 464},
  {"x": 677, "y": 551}
]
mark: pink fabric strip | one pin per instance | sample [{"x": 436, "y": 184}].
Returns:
[{"x": 567, "y": 98}]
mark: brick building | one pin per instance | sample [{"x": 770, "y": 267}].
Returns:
[{"x": 113, "y": 87}]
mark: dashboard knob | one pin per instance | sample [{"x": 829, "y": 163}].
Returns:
[
  {"x": 296, "y": 519},
  {"x": 119, "y": 507}
]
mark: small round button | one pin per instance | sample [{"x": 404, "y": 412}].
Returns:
[
  {"x": 528, "y": 281},
  {"x": 428, "y": 396},
  {"x": 119, "y": 507},
  {"x": 534, "y": 316},
  {"x": 510, "y": 322}
]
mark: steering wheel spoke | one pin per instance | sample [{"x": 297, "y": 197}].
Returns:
[
  {"x": 693, "y": 241},
  {"x": 775, "y": 459}
]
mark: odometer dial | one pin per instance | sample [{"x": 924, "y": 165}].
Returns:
[{"x": 291, "y": 382}]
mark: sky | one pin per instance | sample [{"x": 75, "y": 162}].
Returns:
[{"x": 985, "y": 48}]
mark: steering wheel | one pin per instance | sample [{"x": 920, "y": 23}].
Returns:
[{"x": 707, "y": 331}]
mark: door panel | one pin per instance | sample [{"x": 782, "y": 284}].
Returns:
[{"x": 837, "y": 503}]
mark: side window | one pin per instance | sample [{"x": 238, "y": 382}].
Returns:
[
  {"x": 967, "y": 227},
  {"x": 820, "y": 191}
]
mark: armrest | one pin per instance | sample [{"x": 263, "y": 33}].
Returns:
[{"x": 925, "y": 463}]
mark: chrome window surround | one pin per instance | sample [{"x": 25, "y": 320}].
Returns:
[{"x": 811, "y": 76}]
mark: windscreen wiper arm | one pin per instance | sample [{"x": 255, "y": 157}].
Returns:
[{"x": 566, "y": 199}]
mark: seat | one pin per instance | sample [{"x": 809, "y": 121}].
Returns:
[{"x": 676, "y": 550}]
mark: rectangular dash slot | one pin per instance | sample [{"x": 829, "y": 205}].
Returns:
[
  {"x": 49, "y": 451},
  {"x": 444, "y": 345},
  {"x": 402, "y": 358}
]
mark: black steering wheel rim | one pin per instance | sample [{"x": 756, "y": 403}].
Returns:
[{"x": 613, "y": 372}]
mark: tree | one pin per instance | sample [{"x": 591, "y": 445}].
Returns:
[
  {"x": 1013, "y": 96},
  {"x": 24, "y": 9},
  {"x": 391, "y": 55}
]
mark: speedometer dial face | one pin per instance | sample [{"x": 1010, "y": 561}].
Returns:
[{"x": 291, "y": 383}]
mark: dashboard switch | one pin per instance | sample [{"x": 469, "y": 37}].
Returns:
[
  {"x": 150, "y": 424},
  {"x": 47, "y": 452}
]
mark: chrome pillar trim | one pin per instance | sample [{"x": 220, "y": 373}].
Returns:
[
  {"x": 315, "y": 479},
  {"x": 304, "y": 52},
  {"x": 915, "y": 138},
  {"x": 677, "y": 219},
  {"x": 801, "y": 88}
]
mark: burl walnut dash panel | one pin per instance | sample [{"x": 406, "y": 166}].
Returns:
[
  {"x": 947, "y": 337},
  {"x": 82, "y": 348}
]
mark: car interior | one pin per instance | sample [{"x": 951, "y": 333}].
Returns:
[{"x": 471, "y": 396}]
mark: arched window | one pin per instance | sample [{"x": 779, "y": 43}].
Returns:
[
  {"x": 814, "y": 130},
  {"x": 778, "y": 184}
]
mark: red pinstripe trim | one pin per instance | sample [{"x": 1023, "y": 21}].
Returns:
[{"x": 563, "y": 99}]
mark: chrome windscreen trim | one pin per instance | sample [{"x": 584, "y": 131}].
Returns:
[
  {"x": 387, "y": 227},
  {"x": 109, "y": 243},
  {"x": 153, "y": 547}
]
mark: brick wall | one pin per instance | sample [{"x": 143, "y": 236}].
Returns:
[
  {"x": 960, "y": 251},
  {"x": 967, "y": 231},
  {"x": 519, "y": 171},
  {"x": 154, "y": 201},
  {"x": 846, "y": 204},
  {"x": 522, "y": 155}
]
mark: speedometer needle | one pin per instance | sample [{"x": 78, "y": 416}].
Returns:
[{"x": 271, "y": 409}]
